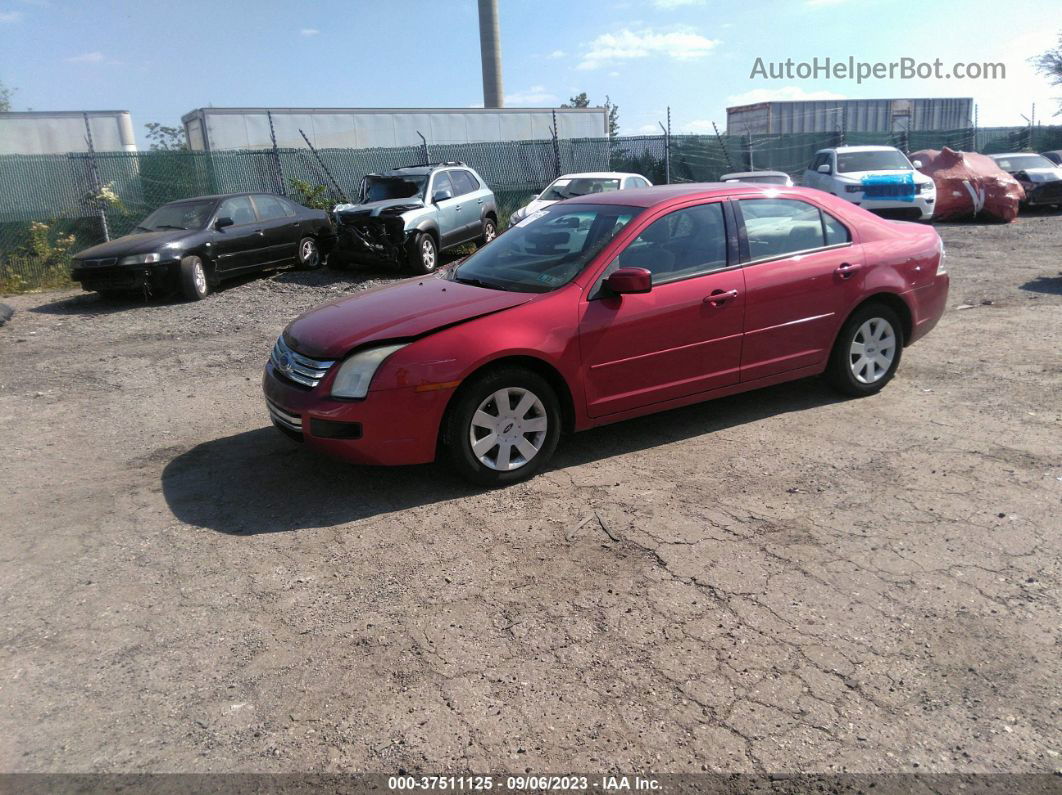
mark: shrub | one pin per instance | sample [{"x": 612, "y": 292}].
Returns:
[{"x": 42, "y": 262}]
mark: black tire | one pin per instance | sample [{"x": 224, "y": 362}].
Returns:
[
  {"x": 423, "y": 253},
  {"x": 490, "y": 231},
  {"x": 849, "y": 371},
  {"x": 480, "y": 393},
  {"x": 193, "y": 279},
  {"x": 309, "y": 254}
]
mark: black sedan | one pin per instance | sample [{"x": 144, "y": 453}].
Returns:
[{"x": 192, "y": 244}]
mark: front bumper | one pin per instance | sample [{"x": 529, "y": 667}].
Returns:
[
  {"x": 389, "y": 428},
  {"x": 918, "y": 208},
  {"x": 1043, "y": 192},
  {"x": 158, "y": 276}
]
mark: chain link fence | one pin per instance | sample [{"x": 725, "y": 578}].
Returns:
[{"x": 84, "y": 197}]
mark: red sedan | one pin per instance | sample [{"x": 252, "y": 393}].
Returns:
[{"x": 603, "y": 308}]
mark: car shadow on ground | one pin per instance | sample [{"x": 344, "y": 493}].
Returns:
[
  {"x": 1052, "y": 285},
  {"x": 260, "y": 482}
]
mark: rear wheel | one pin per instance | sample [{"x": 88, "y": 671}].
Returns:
[
  {"x": 193, "y": 278},
  {"x": 503, "y": 428},
  {"x": 490, "y": 231},
  {"x": 309, "y": 254},
  {"x": 867, "y": 351},
  {"x": 424, "y": 254}
]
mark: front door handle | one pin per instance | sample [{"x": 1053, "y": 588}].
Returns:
[
  {"x": 720, "y": 297},
  {"x": 259, "y": 232},
  {"x": 846, "y": 270}
]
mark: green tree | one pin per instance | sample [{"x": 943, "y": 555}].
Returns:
[
  {"x": 1049, "y": 64},
  {"x": 581, "y": 100},
  {"x": 166, "y": 139},
  {"x": 5, "y": 97}
]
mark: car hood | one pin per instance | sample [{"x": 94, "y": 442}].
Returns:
[
  {"x": 376, "y": 208},
  {"x": 139, "y": 243},
  {"x": 409, "y": 309},
  {"x": 1051, "y": 173}
]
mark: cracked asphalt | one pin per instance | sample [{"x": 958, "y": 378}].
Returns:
[{"x": 781, "y": 581}]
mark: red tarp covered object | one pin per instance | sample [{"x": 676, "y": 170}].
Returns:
[{"x": 968, "y": 184}]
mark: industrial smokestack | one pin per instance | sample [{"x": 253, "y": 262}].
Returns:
[{"x": 490, "y": 51}]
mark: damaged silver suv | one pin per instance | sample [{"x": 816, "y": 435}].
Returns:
[{"x": 406, "y": 216}]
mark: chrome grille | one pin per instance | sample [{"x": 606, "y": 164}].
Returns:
[
  {"x": 296, "y": 367},
  {"x": 292, "y": 422}
]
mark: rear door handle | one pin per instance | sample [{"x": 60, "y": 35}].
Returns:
[
  {"x": 720, "y": 297},
  {"x": 846, "y": 270}
]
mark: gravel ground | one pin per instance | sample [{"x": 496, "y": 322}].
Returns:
[{"x": 778, "y": 581}]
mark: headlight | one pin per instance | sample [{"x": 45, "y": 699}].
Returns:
[
  {"x": 355, "y": 374},
  {"x": 941, "y": 267},
  {"x": 139, "y": 259},
  {"x": 517, "y": 216},
  {"x": 926, "y": 187}
]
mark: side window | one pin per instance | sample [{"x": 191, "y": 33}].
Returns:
[
  {"x": 441, "y": 181},
  {"x": 289, "y": 208},
  {"x": 269, "y": 208},
  {"x": 687, "y": 242},
  {"x": 239, "y": 209},
  {"x": 836, "y": 232},
  {"x": 463, "y": 182},
  {"x": 637, "y": 182},
  {"x": 776, "y": 227}
]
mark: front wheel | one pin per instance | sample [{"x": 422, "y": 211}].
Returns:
[
  {"x": 503, "y": 428},
  {"x": 309, "y": 254},
  {"x": 424, "y": 254},
  {"x": 867, "y": 351},
  {"x": 193, "y": 278}
]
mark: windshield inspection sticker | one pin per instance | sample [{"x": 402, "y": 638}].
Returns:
[{"x": 533, "y": 217}]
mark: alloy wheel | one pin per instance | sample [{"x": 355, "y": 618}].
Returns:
[
  {"x": 427, "y": 254},
  {"x": 872, "y": 351},
  {"x": 508, "y": 429},
  {"x": 199, "y": 277},
  {"x": 308, "y": 254}
]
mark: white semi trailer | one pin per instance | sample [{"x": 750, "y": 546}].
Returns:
[{"x": 362, "y": 128}]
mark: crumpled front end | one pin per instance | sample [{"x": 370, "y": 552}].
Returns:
[{"x": 371, "y": 239}]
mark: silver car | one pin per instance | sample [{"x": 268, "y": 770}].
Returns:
[{"x": 406, "y": 216}]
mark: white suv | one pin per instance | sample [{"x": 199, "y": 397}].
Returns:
[{"x": 879, "y": 178}]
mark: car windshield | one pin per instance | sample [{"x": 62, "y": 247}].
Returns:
[
  {"x": 570, "y": 187},
  {"x": 893, "y": 160},
  {"x": 1022, "y": 162},
  {"x": 547, "y": 249},
  {"x": 179, "y": 215},
  {"x": 383, "y": 188}
]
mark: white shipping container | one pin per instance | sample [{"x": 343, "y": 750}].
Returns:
[{"x": 363, "y": 128}]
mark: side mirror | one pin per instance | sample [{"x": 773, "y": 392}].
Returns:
[
  {"x": 630, "y": 280},
  {"x": 824, "y": 168},
  {"x": 441, "y": 196},
  {"x": 222, "y": 222},
  {"x": 916, "y": 163}
]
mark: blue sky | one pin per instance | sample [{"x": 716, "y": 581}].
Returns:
[{"x": 160, "y": 60}]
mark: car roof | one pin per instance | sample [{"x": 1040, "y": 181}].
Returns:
[
  {"x": 846, "y": 149},
  {"x": 662, "y": 194},
  {"x": 599, "y": 175},
  {"x": 735, "y": 174}
]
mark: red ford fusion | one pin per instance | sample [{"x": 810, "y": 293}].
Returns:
[{"x": 603, "y": 308}]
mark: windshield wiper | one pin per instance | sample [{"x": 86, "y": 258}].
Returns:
[
  {"x": 171, "y": 226},
  {"x": 145, "y": 228},
  {"x": 479, "y": 283}
]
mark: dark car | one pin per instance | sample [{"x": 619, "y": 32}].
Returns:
[
  {"x": 1039, "y": 177},
  {"x": 192, "y": 244}
]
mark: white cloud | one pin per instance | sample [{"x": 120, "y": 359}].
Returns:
[
  {"x": 556, "y": 55},
  {"x": 680, "y": 45},
  {"x": 88, "y": 57},
  {"x": 536, "y": 95},
  {"x": 307, "y": 32},
  {"x": 649, "y": 129},
  {"x": 10, "y": 16},
  {"x": 780, "y": 95},
  {"x": 677, "y": 3}
]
